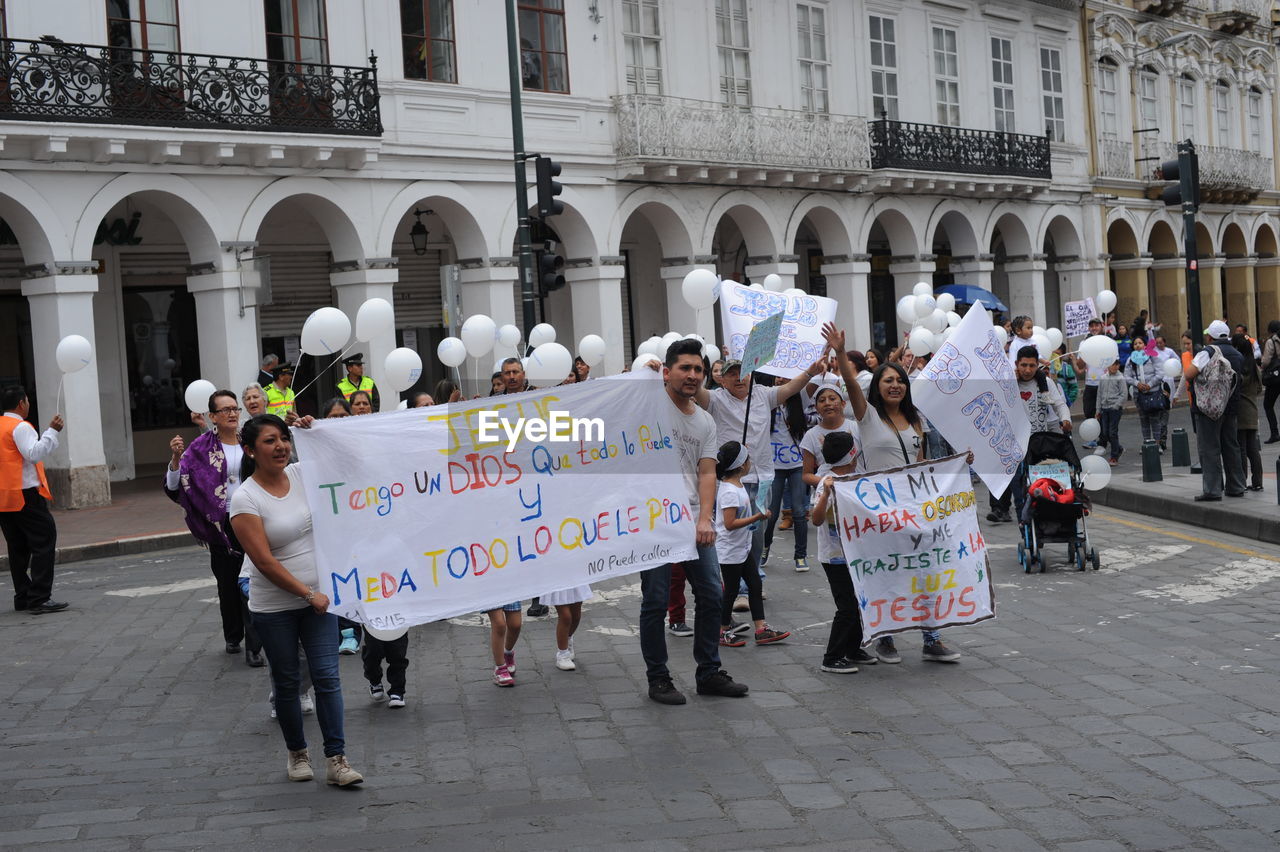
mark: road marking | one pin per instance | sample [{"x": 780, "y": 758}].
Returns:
[
  {"x": 148, "y": 591},
  {"x": 1122, "y": 558},
  {"x": 1228, "y": 581},
  {"x": 1147, "y": 528}
]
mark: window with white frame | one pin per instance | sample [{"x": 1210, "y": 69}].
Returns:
[
  {"x": 946, "y": 77},
  {"x": 1002, "y": 83},
  {"x": 734, "y": 47},
  {"x": 1108, "y": 99},
  {"x": 1149, "y": 97},
  {"x": 884, "y": 66},
  {"x": 1254, "y": 107},
  {"x": 1055, "y": 121},
  {"x": 642, "y": 43},
  {"x": 811, "y": 36},
  {"x": 1186, "y": 107},
  {"x": 1222, "y": 113}
]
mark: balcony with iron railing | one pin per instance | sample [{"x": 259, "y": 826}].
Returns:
[
  {"x": 959, "y": 150},
  {"x": 1227, "y": 175},
  {"x": 55, "y": 81},
  {"x": 1237, "y": 16},
  {"x": 662, "y": 130}
]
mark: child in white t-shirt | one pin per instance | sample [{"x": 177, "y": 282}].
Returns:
[{"x": 734, "y": 517}]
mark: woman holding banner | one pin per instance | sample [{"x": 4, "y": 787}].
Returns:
[
  {"x": 272, "y": 520},
  {"x": 892, "y": 436}
]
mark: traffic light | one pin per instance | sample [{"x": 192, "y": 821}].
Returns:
[
  {"x": 546, "y": 169},
  {"x": 550, "y": 270},
  {"x": 1185, "y": 171}
]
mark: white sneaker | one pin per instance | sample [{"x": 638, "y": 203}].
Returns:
[
  {"x": 299, "y": 766},
  {"x": 308, "y": 703},
  {"x": 564, "y": 661},
  {"x": 395, "y": 702}
]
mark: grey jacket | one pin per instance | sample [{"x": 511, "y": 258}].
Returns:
[{"x": 1113, "y": 390}]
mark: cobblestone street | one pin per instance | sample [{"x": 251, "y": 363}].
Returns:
[{"x": 1131, "y": 708}]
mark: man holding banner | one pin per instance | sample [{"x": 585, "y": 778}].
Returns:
[{"x": 694, "y": 434}]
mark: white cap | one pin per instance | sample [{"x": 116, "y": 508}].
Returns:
[{"x": 1218, "y": 329}]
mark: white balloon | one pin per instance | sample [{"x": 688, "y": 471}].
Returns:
[
  {"x": 947, "y": 302},
  {"x": 1106, "y": 302},
  {"x": 404, "y": 403},
  {"x": 907, "y": 309},
  {"x": 649, "y": 347},
  {"x": 697, "y": 337},
  {"x": 1099, "y": 351},
  {"x": 402, "y": 368},
  {"x": 197, "y": 395},
  {"x": 920, "y": 341},
  {"x": 592, "y": 349},
  {"x": 756, "y": 286},
  {"x": 1041, "y": 343},
  {"x": 1172, "y": 368},
  {"x": 1089, "y": 430},
  {"x": 639, "y": 363},
  {"x": 924, "y": 288},
  {"x": 773, "y": 281},
  {"x": 794, "y": 291},
  {"x": 946, "y": 334},
  {"x": 1001, "y": 334},
  {"x": 1055, "y": 337},
  {"x": 711, "y": 352},
  {"x": 325, "y": 332},
  {"x": 451, "y": 351},
  {"x": 509, "y": 336},
  {"x": 667, "y": 339},
  {"x": 375, "y": 317},
  {"x": 75, "y": 352},
  {"x": 925, "y": 305},
  {"x": 542, "y": 333},
  {"x": 1036, "y": 329},
  {"x": 936, "y": 321},
  {"x": 549, "y": 364},
  {"x": 478, "y": 334},
  {"x": 700, "y": 288},
  {"x": 953, "y": 318},
  {"x": 386, "y": 635},
  {"x": 1096, "y": 473}
]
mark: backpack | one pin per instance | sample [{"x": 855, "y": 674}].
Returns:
[
  {"x": 1271, "y": 372},
  {"x": 1216, "y": 385}
]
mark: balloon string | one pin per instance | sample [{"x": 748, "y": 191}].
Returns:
[
  {"x": 57, "y": 402},
  {"x": 325, "y": 370}
]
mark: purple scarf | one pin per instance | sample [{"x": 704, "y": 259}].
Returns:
[{"x": 202, "y": 491}]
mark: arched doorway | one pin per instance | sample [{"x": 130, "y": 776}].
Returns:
[{"x": 891, "y": 236}]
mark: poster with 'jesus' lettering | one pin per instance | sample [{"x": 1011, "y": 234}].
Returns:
[
  {"x": 429, "y": 513},
  {"x": 915, "y": 553}
]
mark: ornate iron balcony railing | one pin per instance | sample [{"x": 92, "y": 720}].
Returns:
[
  {"x": 1237, "y": 16},
  {"x": 684, "y": 131},
  {"x": 1226, "y": 174},
  {"x": 933, "y": 148},
  {"x": 52, "y": 80},
  {"x": 1115, "y": 158}
]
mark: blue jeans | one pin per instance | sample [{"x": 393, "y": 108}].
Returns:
[
  {"x": 790, "y": 483},
  {"x": 280, "y": 633},
  {"x": 703, "y": 574},
  {"x": 1109, "y": 420}
]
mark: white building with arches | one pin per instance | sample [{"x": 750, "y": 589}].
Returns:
[
  {"x": 154, "y": 153},
  {"x": 1161, "y": 73}
]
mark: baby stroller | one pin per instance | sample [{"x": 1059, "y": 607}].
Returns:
[{"x": 1055, "y": 505}]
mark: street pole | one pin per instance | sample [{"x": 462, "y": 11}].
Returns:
[
  {"x": 1187, "y": 178},
  {"x": 522, "y": 184}
]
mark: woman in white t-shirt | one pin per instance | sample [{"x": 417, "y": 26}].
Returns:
[
  {"x": 734, "y": 516},
  {"x": 271, "y": 519}
]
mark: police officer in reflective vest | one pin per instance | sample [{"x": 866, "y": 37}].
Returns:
[
  {"x": 356, "y": 380},
  {"x": 280, "y": 400}
]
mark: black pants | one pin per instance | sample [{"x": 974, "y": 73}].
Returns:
[
  {"x": 1090, "y": 401},
  {"x": 396, "y": 655},
  {"x": 226, "y": 567},
  {"x": 32, "y": 538},
  {"x": 1269, "y": 397},
  {"x": 846, "y": 627},
  {"x": 741, "y": 572}
]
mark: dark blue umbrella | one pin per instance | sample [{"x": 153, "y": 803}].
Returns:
[{"x": 967, "y": 294}]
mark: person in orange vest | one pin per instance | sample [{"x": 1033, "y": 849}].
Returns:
[{"x": 28, "y": 525}]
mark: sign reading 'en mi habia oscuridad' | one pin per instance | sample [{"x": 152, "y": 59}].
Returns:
[
  {"x": 916, "y": 555},
  {"x": 417, "y": 517}
]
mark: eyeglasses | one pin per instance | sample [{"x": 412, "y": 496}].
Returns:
[{"x": 227, "y": 410}]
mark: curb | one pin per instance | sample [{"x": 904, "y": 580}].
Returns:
[
  {"x": 1214, "y": 516},
  {"x": 118, "y": 547}
]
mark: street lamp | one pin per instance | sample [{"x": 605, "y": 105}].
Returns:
[
  {"x": 1169, "y": 42},
  {"x": 418, "y": 233}
]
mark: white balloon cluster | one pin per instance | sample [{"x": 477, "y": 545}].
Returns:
[{"x": 932, "y": 318}]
